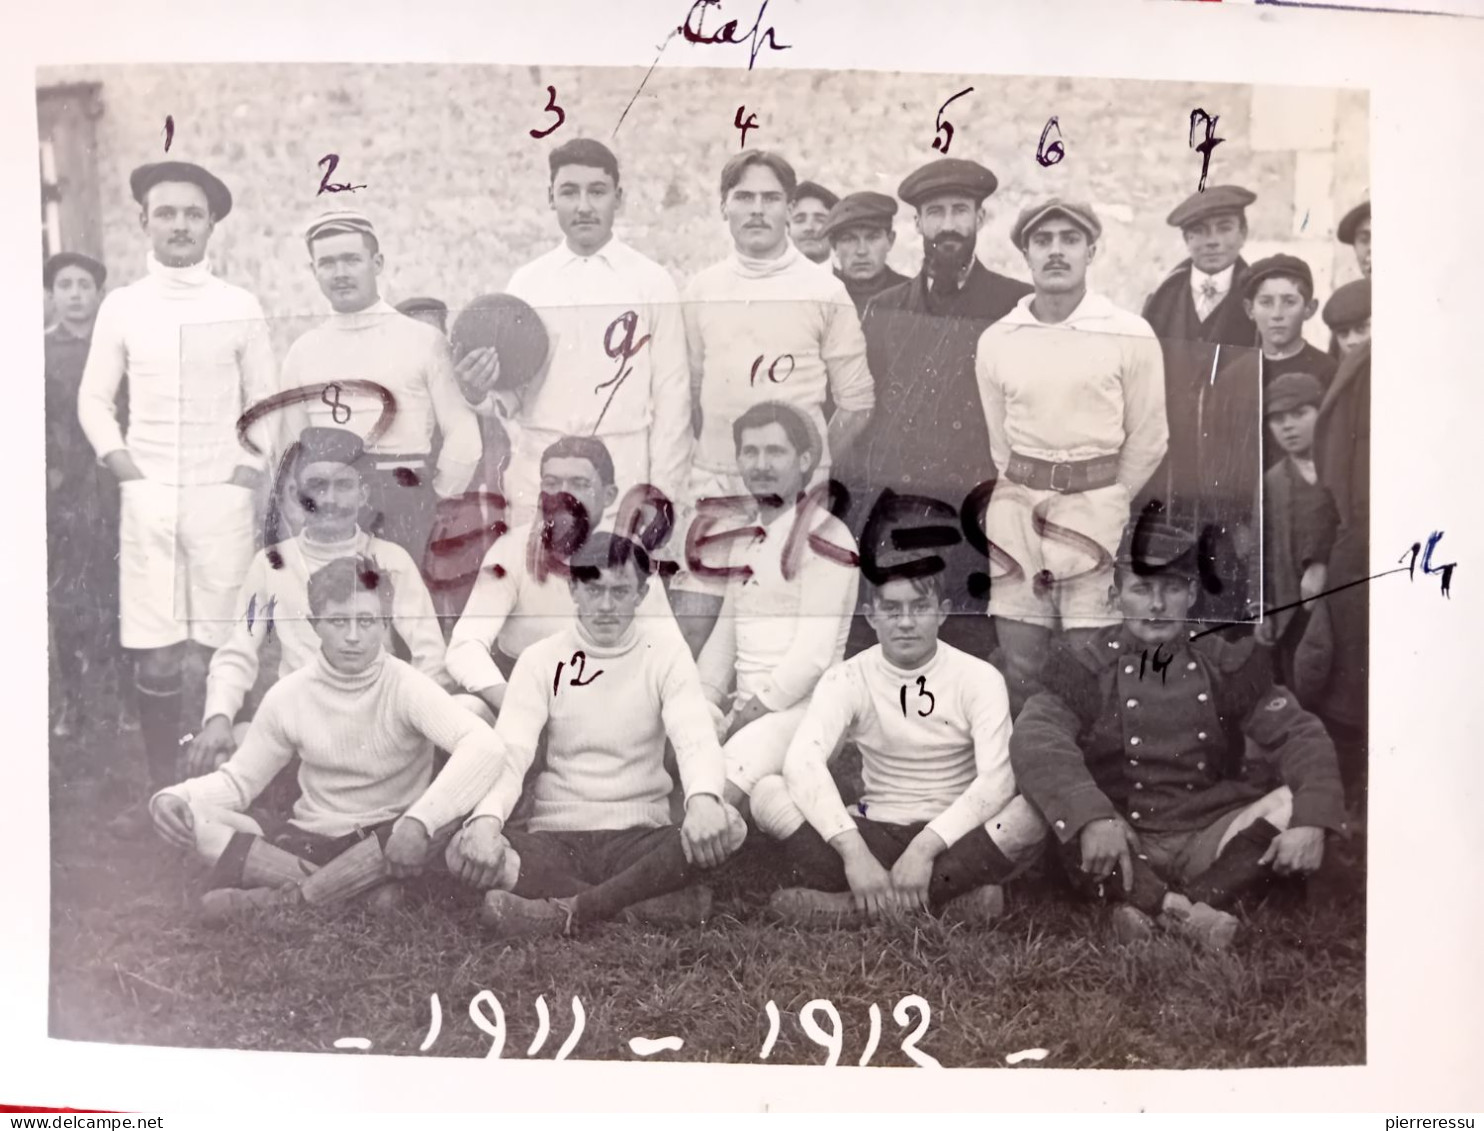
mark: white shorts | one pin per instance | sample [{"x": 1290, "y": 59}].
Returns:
[
  {"x": 757, "y": 750},
  {"x": 183, "y": 554},
  {"x": 1054, "y": 539},
  {"x": 522, "y": 480}
]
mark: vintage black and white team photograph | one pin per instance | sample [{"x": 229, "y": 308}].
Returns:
[{"x": 705, "y": 564}]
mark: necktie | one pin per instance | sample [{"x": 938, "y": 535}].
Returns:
[{"x": 1207, "y": 300}]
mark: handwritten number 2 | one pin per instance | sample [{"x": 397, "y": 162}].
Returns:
[
  {"x": 551, "y": 108},
  {"x": 922, "y": 693},
  {"x": 946, "y": 128},
  {"x": 333, "y": 160},
  {"x": 1048, "y": 155},
  {"x": 579, "y": 665}
]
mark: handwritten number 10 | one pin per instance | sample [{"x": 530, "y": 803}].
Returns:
[{"x": 772, "y": 369}]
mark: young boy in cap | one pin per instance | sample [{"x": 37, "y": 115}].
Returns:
[
  {"x": 1133, "y": 754},
  {"x": 326, "y": 476},
  {"x": 194, "y": 354},
  {"x": 81, "y": 507},
  {"x": 1348, "y": 315},
  {"x": 1299, "y": 521},
  {"x": 764, "y": 324},
  {"x": 606, "y": 693},
  {"x": 928, "y": 437},
  {"x": 939, "y": 826},
  {"x": 859, "y": 231},
  {"x": 1073, "y": 393},
  {"x": 366, "y": 339},
  {"x": 808, "y": 209},
  {"x": 1355, "y": 230},
  {"x": 364, "y": 725},
  {"x": 1278, "y": 295}
]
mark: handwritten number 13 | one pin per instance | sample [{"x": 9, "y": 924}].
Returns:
[
  {"x": 922, "y": 692},
  {"x": 579, "y": 664}
]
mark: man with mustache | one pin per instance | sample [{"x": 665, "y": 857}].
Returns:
[
  {"x": 1073, "y": 392},
  {"x": 859, "y": 230},
  {"x": 927, "y": 438},
  {"x": 366, "y": 339},
  {"x": 194, "y": 354},
  {"x": 808, "y": 210},
  {"x": 326, "y": 478}
]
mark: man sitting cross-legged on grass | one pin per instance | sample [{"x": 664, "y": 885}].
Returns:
[
  {"x": 364, "y": 725},
  {"x": 1133, "y": 753},
  {"x": 607, "y": 691},
  {"x": 940, "y": 825}
]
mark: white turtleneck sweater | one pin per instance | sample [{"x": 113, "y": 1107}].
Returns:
[
  {"x": 409, "y": 358},
  {"x": 276, "y": 601},
  {"x": 196, "y": 353},
  {"x": 605, "y": 736},
  {"x": 741, "y": 309},
  {"x": 365, "y": 744},
  {"x": 944, "y": 759}
]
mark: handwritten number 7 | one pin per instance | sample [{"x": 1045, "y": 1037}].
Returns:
[
  {"x": 946, "y": 128},
  {"x": 922, "y": 692},
  {"x": 551, "y": 108}
]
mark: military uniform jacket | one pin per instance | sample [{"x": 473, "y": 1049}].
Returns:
[{"x": 1164, "y": 749}]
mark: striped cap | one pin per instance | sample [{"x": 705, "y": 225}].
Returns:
[{"x": 338, "y": 221}]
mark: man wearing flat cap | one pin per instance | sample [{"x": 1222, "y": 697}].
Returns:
[
  {"x": 1073, "y": 393},
  {"x": 1278, "y": 295},
  {"x": 1133, "y": 753},
  {"x": 366, "y": 339},
  {"x": 433, "y": 311},
  {"x": 1348, "y": 315},
  {"x": 82, "y": 506},
  {"x": 1355, "y": 230},
  {"x": 859, "y": 231},
  {"x": 928, "y": 438},
  {"x": 194, "y": 353},
  {"x": 808, "y": 210}
]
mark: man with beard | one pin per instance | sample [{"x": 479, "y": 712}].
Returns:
[
  {"x": 366, "y": 339},
  {"x": 274, "y": 601},
  {"x": 927, "y": 440},
  {"x": 82, "y": 583},
  {"x": 1073, "y": 391},
  {"x": 194, "y": 353},
  {"x": 764, "y": 324},
  {"x": 860, "y": 232},
  {"x": 808, "y": 210}
]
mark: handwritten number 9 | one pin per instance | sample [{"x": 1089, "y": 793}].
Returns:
[
  {"x": 834, "y": 1039},
  {"x": 946, "y": 128},
  {"x": 495, "y": 1030},
  {"x": 909, "y": 1046},
  {"x": 551, "y": 108},
  {"x": 1052, "y": 154}
]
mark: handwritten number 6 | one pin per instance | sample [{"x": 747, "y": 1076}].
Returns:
[
  {"x": 551, "y": 108},
  {"x": 1049, "y": 155}
]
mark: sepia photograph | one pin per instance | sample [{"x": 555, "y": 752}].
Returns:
[{"x": 536, "y": 571}]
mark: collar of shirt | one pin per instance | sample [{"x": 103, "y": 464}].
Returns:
[
  {"x": 196, "y": 275},
  {"x": 373, "y": 315},
  {"x": 1093, "y": 308},
  {"x": 564, "y": 256},
  {"x": 1222, "y": 281}
]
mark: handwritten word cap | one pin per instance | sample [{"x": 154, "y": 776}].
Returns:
[
  {"x": 1078, "y": 213},
  {"x": 947, "y": 174},
  {"x": 1214, "y": 201},
  {"x": 422, "y": 302},
  {"x": 511, "y": 328},
  {"x": 54, "y": 265},
  {"x": 338, "y": 222},
  {"x": 1348, "y": 305},
  {"x": 812, "y": 190},
  {"x": 146, "y": 177},
  {"x": 329, "y": 445},
  {"x": 1289, "y": 391},
  {"x": 1274, "y": 266},
  {"x": 1158, "y": 544},
  {"x": 1352, "y": 221},
  {"x": 874, "y": 208}
]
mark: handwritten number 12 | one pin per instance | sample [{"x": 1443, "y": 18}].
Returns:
[{"x": 579, "y": 665}]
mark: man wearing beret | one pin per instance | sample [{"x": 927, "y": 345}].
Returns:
[
  {"x": 195, "y": 353},
  {"x": 1073, "y": 392},
  {"x": 433, "y": 311},
  {"x": 1133, "y": 754},
  {"x": 82, "y": 583},
  {"x": 859, "y": 230},
  {"x": 808, "y": 210},
  {"x": 1348, "y": 315},
  {"x": 928, "y": 440},
  {"x": 1355, "y": 230},
  {"x": 366, "y": 339}
]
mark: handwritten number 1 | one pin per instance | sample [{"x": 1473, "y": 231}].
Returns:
[
  {"x": 169, "y": 131},
  {"x": 946, "y": 128},
  {"x": 551, "y": 108}
]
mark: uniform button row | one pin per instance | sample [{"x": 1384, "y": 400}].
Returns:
[
  {"x": 1132, "y": 703},
  {"x": 1135, "y": 740}
]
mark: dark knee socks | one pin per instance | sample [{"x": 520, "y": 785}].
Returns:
[
  {"x": 662, "y": 871},
  {"x": 159, "y": 723},
  {"x": 1237, "y": 869}
]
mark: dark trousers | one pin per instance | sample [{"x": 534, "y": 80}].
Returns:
[
  {"x": 972, "y": 862},
  {"x": 605, "y": 869},
  {"x": 402, "y": 505}
]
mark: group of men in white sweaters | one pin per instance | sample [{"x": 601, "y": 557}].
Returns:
[{"x": 573, "y": 669}]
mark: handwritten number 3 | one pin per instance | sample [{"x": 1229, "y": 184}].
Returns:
[
  {"x": 551, "y": 108},
  {"x": 579, "y": 664}
]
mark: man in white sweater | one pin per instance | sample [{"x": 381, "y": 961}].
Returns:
[
  {"x": 364, "y": 725},
  {"x": 366, "y": 339},
  {"x": 1074, "y": 399},
  {"x": 521, "y": 595},
  {"x": 791, "y": 586},
  {"x": 940, "y": 825},
  {"x": 195, "y": 354},
  {"x": 274, "y": 601},
  {"x": 764, "y": 324},
  {"x": 606, "y": 693}
]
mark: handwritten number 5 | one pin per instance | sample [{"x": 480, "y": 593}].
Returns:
[
  {"x": 922, "y": 692},
  {"x": 946, "y": 128},
  {"x": 551, "y": 108},
  {"x": 1052, "y": 154}
]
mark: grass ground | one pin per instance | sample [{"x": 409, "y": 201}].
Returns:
[{"x": 130, "y": 964}]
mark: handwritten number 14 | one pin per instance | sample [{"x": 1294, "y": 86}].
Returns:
[{"x": 1445, "y": 571}]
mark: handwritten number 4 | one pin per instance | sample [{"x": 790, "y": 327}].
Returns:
[
  {"x": 579, "y": 664},
  {"x": 922, "y": 692},
  {"x": 551, "y": 108}
]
